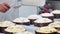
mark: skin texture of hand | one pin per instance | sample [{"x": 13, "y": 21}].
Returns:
[{"x": 4, "y": 7}]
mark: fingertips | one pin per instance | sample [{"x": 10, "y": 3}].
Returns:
[{"x": 7, "y": 5}]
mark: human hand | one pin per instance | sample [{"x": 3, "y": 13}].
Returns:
[{"x": 4, "y": 7}]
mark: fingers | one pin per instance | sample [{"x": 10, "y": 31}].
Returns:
[
  {"x": 7, "y": 5},
  {"x": 4, "y": 7},
  {"x": 1, "y": 8}
]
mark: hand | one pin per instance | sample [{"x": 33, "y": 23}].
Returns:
[{"x": 4, "y": 7}]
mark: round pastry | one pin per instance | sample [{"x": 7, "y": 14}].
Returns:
[
  {"x": 58, "y": 32},
  {"x": 47, "y": 15},
  {"x": 42, "y": 22},
  {"x": 56, "y": 13},
  {"x": 55, "y": 25},
  {"x": 14, "y": 29},
  {"x": 26, "y": 32},
  {"x": 21, "y": 20},
  {"x": 45, "y": 30},
  {"x": 4, "y": 25},
  {"x": 32, "y": 18}
]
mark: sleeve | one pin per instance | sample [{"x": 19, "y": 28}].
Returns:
[
  {"x": 10, "y": 14},
  {"x": 10, "y": 2},
  {"x": 34, "y": 2}
]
